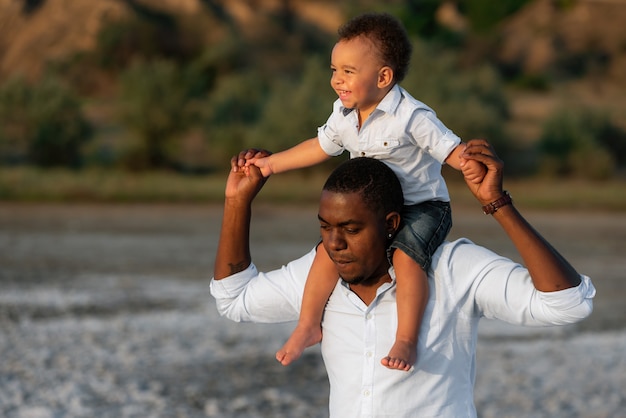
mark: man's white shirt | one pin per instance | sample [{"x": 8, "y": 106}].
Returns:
[{"x": 466, "y": 281}]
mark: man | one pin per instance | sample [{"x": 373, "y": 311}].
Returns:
[{"x": 358, "y": 214}]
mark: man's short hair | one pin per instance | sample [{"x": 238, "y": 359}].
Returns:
[
  {"x": 387, "y": 34},
  {"x": 377, "y": 184}
]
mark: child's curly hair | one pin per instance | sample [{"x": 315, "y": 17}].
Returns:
[{"x": 387, "y": 34}]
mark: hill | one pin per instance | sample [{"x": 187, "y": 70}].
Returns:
[
  {"x": 36, "y": 32},
  {"x": 562, "y": 53}
]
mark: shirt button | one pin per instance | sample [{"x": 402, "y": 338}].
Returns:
[
  {"x": 369, "y": 354},
  {"x": 362, "y": 154},
  {"x": 368, "y": 316},
  {"x": 385, "y": 143},
  {"x": 366, "y": 392}
]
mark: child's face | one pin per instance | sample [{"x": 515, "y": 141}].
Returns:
[{"x": 356, "y": 75}]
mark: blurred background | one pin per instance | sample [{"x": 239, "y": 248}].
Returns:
[
  {"x": 93, "y": 94},
  {"x": 117, "y": 122}
]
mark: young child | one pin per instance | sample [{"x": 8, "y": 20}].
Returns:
[{"x": 377, "y": 118}]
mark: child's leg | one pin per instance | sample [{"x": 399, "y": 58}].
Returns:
[
  {"x": 320, "y": 283},
  {"x": 411, "y": 299}
]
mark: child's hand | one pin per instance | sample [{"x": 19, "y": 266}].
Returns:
[
  {"x": 473, "y": 171},
  {"x": 263, "y": 164},
  {"x": 246, "y": 155},
  {"x": 259, "y": 159},
  {"x": 252, "y": 156}
]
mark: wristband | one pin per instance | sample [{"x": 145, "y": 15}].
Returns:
[{"x": 493, "y": 207}]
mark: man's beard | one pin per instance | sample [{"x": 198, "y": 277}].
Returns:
[{"x": 354, "y": 280}]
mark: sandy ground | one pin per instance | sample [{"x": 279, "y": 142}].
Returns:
[{"x": 105, "y": 311}]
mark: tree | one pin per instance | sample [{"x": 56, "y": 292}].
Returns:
[{"x": 41, "y": 124}]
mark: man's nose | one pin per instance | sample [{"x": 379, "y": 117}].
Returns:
[{"x": 336, "y": 241}]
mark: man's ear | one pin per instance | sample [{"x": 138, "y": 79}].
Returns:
[
  {"x": 385, "y": 77},
  {"x": 393, "y": 222}
]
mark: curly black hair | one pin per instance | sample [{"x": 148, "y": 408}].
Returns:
[
  {"x": 387, "y": 34},
  {"x": 377, "y": 184}
]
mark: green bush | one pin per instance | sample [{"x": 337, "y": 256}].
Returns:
[
  {"x": 581, "y": 143},
  {"x": 156, "y": 106},
  {"x": 230, "y": 114},
  {"x": 295, "y": 108},
  {"x": 147, "y": 35},
  {"x": 470, "y": 101},
  {"x": 41, "y": 124},
  {"x": 484, "y": 15}
]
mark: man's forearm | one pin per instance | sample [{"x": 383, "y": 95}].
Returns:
[
  {"x": 549, "y": 270},
  {"x": 233, "y": 251}
]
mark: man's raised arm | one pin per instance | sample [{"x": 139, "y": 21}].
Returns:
[
  {"x": 233, "y": 250},
  {"x": 548, "y": 269}
]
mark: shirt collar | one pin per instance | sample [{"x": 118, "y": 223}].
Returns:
[
  {"x": 382, "y": 289},
  {"x": 391, "y": 101}
]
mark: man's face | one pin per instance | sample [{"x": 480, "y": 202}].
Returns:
[{"x": 354, "y": 237}]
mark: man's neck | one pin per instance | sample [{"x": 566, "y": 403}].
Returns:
[{"x": 367, "y": 290}]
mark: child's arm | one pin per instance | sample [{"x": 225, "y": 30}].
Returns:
[
  {"x": 305, "y": 154},
  {"x": 472, "y": 170}
]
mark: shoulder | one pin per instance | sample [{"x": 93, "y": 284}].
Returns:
[
  {"x": 462, "y": 261},
  {"x": 458, "y": 250},
  {"x": 410, "y": 102}
]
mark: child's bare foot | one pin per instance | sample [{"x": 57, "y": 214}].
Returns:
[
  {"x": 402, "y": 356},
  {"x": 301, "y": 338}
]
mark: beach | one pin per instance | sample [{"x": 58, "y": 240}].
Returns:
[{"x": 105, "y": 311}]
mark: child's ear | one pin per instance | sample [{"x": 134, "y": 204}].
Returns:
[{"x": 385, "y": 77}]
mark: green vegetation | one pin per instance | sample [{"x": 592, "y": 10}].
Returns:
[
  {"x": 41, "y": 124},
  {"x": 31, "y": 184},
  {"x": 163, "y": 102},
  {"x": 28, "y": 184},
  {"x": 581, "y": 143},
  {"x": 470, "y": 101}
]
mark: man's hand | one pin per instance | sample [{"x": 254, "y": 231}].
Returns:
[
  {"x": 233, "y": 248},
  {"x": 244, "y": 182},
  {"x": 254, "y": 157},
  {"x": 489, "y": 188}
]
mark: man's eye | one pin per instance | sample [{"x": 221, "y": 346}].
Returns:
[{"x": 352, "y": 230}]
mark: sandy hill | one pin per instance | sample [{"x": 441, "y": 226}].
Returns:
[
  {"x": 544, "y": 34},
  {"x": 33, "y": 32}
]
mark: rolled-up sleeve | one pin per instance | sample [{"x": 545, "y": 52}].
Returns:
[
  {"x": 432, "y": 135},
  {"x": 252, "y": 296},
  {"x": 567, "y": 306},
  {"x": 328, "y": 134},
  {"x": 507, "y": 293}
]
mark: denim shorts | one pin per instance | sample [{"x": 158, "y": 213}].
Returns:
[{"x": 424, "y": 227}]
